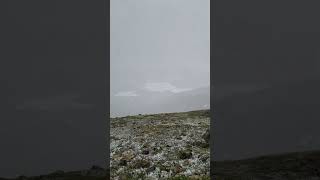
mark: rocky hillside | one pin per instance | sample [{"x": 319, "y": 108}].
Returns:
[
  {"x": 94, "y": 173},
  {"x": 161, "y": 146},
  {"x": 290, "y": 166}
]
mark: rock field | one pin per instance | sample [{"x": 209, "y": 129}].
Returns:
[{"x": 160, "y": 146}]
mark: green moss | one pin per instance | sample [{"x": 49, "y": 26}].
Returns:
[
  {"x": 185, "y": 154},
  {"x": 164, "y": 168},
  {"x": 179, "y": 178},
  {"x": 141, "y": 163}
]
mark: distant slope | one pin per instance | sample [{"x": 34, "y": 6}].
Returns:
[
  {"x": 298, "y": 165},
  {"x": 158, "y": 102},
  {"x": 278, "y": 119},
  {"x": 95, "y": 173}
]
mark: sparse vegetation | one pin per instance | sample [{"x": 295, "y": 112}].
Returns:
[
  {"x": 185, "y": 154},
  {"x": 161, "y": 146},
  {"x": 147, "y": 147}
]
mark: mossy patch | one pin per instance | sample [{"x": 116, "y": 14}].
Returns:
[{"x": 185, "y": 154}]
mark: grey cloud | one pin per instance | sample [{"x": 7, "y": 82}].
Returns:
[{"x": 159, "y": 41}]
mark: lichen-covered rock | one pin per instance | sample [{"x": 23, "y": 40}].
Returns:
[
  {"x": 122, "y": 162},
  {"x": 206, "y": 136},
  {"x": 185, "y": 154},
  {"x": 141, "y": 163},
  {"x": 160, "y": 146}
]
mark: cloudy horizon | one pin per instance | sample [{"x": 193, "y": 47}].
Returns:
[{"x": 156, "y": 52}]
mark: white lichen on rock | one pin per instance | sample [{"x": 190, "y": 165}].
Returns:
[{"x": 160, "y": 146}]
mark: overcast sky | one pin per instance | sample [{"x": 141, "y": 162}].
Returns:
[{"x": 159, "y": 45}]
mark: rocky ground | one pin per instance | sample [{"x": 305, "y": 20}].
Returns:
[
  {"x": 175, "y": 146},
  {"x": 160, "y": 146}
]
